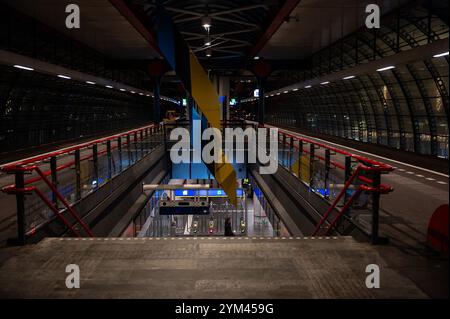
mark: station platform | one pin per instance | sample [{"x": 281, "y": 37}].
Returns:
[{"x": 201, "y": 267}]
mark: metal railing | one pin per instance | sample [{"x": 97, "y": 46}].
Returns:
[
  {"x": 68, "y": 175},
  {"x": 340, "y": 178}
]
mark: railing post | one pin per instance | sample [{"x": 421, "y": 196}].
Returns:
[
  {"x": 119, "y": 149},
  {"x": 146, "y": 141},
  {"x": 135, "y": 146},
  {"x": 283, "y": 150},
  {"x": 300, "y": 154},
  {"x": 129, "y": 149},
  {"x": 141, "y": 135},
  {"x": 54, "y": 172},
  {"x": 77, "y": 175},
  {"x": 108, "y": 154},
  {"x": 95, "y": 163},
  {"x": 347, "y": 173},
  {"x": 327, "y": 172},
  {"x": 375, "y": 207},
  {"x": 152, "y": 137},
  {"x": 312, "y": 151},
  {"x": 291, "y": 148},
  {"x": 20, "y": 203}
]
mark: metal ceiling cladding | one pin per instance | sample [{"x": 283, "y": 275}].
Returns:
[{"x": 197, "y": 83}]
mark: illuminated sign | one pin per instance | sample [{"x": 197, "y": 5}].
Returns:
[{"x": 204, "y": 193}]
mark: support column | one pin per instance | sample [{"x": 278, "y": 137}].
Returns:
[
  {"x": 157, "y": 100},
  {"x": 261, "y": 100},
  {"x": 224, "y": 95}
]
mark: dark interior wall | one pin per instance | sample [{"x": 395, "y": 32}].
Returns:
[
  {"x": 24, "y": 35},
  {"x": 37, "y": 109},
  {"x": 405, "y": 108}
]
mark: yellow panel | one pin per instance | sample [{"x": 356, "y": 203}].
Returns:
[
  {"x": 304, "y": 169},
  {"x": 301, "y": 168},
  {"x": 207, "y": 99},
  {"x": 204, "y": 93}
]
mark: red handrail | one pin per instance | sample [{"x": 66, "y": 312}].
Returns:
[
  {"x": 383, "y": 189},
  {"x": 28, "y": 165},
  {"x": 12, "y": 189},
  {"x": 339, "y": 151},
  {"x": 39, "y": 158}
]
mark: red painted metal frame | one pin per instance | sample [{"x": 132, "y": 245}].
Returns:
[
  {"x": 28, "y": 165},
  {"x": 13, "y": 189},
  {"x": 375, "y": 166},
  {"x": 136, "y": 22},
  {"x": 43, "y": 157},
  {"x": 383, "y": 189},
  {"x": 283, "y": 13}
]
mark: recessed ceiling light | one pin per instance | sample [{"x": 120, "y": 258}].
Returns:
[
  {"x": 324, "y": 83},
  {"x": 64, "y": 77},
  {"x": 109, "y": 86},
  {"x": 386, "y": 68},
  {"x": 123, "y": 90},
  {"x": 133, "y": 92},
  {"x": 285, "y": 92},
  {"x": 23, "y": 67},
  {"x": 206, "y": 23},
  {"x": 440, "y": 55},
  {"x": 307, "y": 87},
  {"x": 349, "y": 77},
  {"x": 90, "y": 82},
  {"x": 296, "y": 89}
]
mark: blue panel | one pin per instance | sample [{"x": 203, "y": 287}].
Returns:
[
  {"x": 185, "y": 192},
  {"x": 204, "y": 192},
  {"x": 181, "y": 171},
  {"x": 240, "y": 170},
  {"x": 166, "y": 37},
  {"x": 199, "y": 171}
]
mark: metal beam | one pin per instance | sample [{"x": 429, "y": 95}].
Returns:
[
  {"x": 283, "y": 13},
  {"x": 137, "y": 23},
  {"x": 404, "y": 57}
]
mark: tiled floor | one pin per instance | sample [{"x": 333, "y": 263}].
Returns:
[{"x": 202, "y": 267}]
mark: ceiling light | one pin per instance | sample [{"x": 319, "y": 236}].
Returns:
[
  {"x": 324, "y": 83},
  {"x": 296, "y": 89},
  {"x": 440, "y": 55},
  {"x": 206, "y": 23},
  {"x": 109, "y": 86},
  {"x": 123, "y": 90},
  {"x": 23, "y": 67},
  {"x": 256, "y": 58},
  {"x": 278, "y": 93},
  {"x": 349, "y": 77},
  {"x": 208, "y": 53},
  {"x": 141, "y": 93},
  {"x": 285, "y": 92},
  {"x": 64, "y": 77},
  {"x": 307, "y": 87},
  {"x": 90, "y": 82},
  {"x": 386, "y": 68},
  {"x": 133, "y": 92}
]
